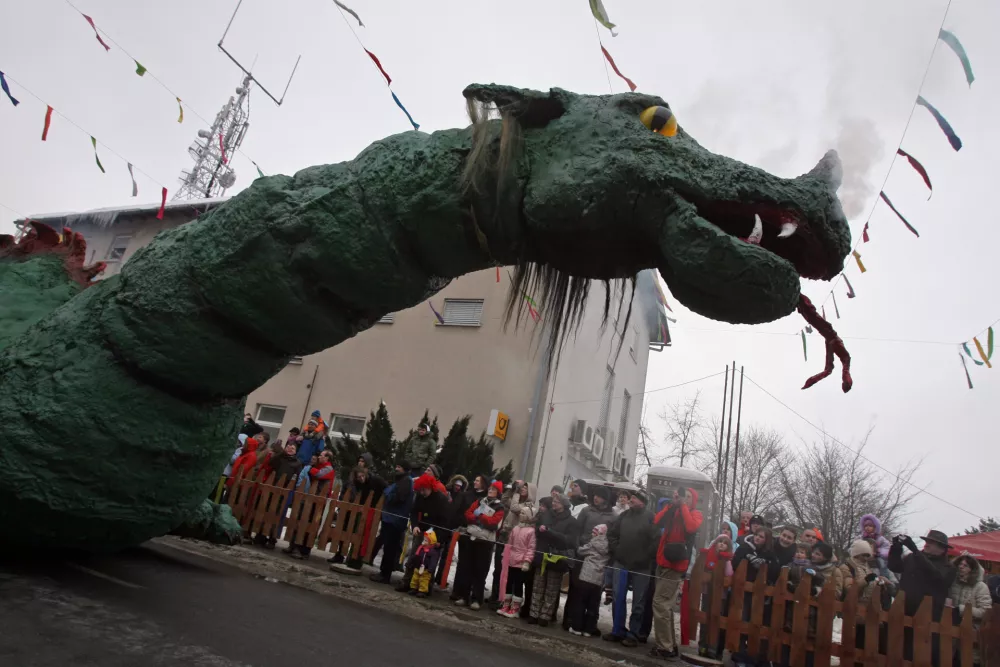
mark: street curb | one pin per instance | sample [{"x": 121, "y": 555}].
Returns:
[{"x": 487, "y": 626}]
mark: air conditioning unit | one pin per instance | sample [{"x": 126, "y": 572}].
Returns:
[
  {"x": 582, "y": 435},
  {"x": 628, "y": 470},
  {"x": 602, "y": 464},
  {"x": 598, "y": 450},
  {"x": 618, "y": 458}
]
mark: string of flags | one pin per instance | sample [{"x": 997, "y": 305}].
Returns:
[
  {"x": 141, "y": 70},
  {"x": 341, "y": 7},
  {"x": 601, "y": 16},
  {"x": 985, "y": 354},
  {"x": 94, "y": 143},
  {"x": 951, "y": 40}
]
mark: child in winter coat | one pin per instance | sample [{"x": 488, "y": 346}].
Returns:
[
  {"x": 587, "y": 604},
  {"x": 718, "y": 554},
  {"x": 517, "y": 559},
  {"x": 871, "y": 529},
  {"x": 423, "y": 561}
]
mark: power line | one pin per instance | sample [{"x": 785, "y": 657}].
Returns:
[
  {"x": 643, "y": 393},
  {"x": 857, "y": 453}
]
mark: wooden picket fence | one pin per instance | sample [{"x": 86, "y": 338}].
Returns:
[
  {"x": 262, "y": 507},
  {"x": 811, "y": 623}
]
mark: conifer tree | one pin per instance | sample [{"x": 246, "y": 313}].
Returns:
[
  {"x": 454, "y": 452},
  {"x": 379, "y": 443}
]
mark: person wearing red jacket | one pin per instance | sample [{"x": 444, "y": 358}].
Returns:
[
  {"x": 680, "y": 522},
  {"x": 244, "y": 464}
]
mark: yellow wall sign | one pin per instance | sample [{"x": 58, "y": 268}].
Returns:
[{"x": 497, "y": 426}]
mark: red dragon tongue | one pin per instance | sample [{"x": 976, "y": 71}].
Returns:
[{"x": 834, "y": 345}]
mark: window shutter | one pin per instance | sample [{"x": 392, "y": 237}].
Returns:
[{"x": 463, "y": 312}]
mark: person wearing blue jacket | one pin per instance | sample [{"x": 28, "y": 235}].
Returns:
[{"x": 395, "y": 513}]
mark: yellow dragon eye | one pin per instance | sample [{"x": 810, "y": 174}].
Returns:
[{"x": 660, "y": 120}]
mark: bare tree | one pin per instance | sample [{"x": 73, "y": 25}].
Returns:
[
  {"x": 684, "y": 424},
  {"x": 759, "y": 471},
  {"x": 643, "y": 461},
  {"x": 833, "y": 486}
]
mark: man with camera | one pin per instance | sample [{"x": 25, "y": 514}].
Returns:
[{"x": 922, "y": 573}]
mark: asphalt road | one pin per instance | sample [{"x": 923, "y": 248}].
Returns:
[{"x": 154, "y": 606}]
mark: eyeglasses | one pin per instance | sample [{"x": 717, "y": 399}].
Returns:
[{"x": 864, "y": 556}]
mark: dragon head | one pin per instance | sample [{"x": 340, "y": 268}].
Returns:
[
  {"x": 586, "y": 161},
  {"x": 608, "y": 185}
]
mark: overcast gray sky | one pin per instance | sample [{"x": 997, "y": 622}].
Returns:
[{"x": 772, "y": 83}]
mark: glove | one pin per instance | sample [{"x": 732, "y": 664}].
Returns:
[
  {"x": 525, "y": 567},
  {"x": 909, "y": 544},
  {"x": 478, "y": 511},
  {"x": 421, "y": 570},
  {"x": 871, "y": 577}
]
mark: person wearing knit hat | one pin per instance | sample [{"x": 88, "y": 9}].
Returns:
[
  {"x": 577, "y": 496},
  {"x": 435, "y": 470},
  {"x": 422, "y": 562},
  {"x": 632, "y": 541},
  {"x": 483, "y": 519}
]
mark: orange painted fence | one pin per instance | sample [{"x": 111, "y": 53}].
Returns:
[
  {"x": 800, "y": 624},
  {"x": 262, "y": 506}
]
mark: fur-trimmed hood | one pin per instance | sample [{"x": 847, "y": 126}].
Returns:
[{"x": 875, "y": 520}]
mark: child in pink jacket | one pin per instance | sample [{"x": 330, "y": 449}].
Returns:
[{"x": 517, "y": 559}]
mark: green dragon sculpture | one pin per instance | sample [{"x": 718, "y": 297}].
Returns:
[{"x": 119, "y": 400}]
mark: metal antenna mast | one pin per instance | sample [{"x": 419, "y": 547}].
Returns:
[{"x": 215, "y": 147}]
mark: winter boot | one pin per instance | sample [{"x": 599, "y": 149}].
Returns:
[{"x": 504, "y": 609}]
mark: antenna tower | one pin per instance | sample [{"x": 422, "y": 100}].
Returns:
[{"x": 215, "y": 147}]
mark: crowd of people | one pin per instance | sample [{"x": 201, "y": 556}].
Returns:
[
  {"x": 593, "y": 542},
  {"x": 880, "y": 565}
]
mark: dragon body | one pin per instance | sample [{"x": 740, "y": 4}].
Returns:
[{"x": 119, "y": 400}]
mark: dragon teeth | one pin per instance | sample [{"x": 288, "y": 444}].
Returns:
[
  {"x": 758, "y": 231},
  {"x": 787, "y": 229}
]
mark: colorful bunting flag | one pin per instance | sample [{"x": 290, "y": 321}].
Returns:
[
  {"x": 135, "y": 186},
  {"x": 163, "y": 204},
  {"x": 436, "y": 313},
  {"x": 919, "y": 168},
  {"x": 388, "y": 80},
  {"x": 96, "y": 34},
  {"x": 965, "y": 346},
  {"x": 139, "y": 69},
  {"x": 885, "y": 198},
  {"x": 100, "y": 166},
  {"x": 850, "y": 288},
  {"x": 809, "y": 329},
  {"x": 222, "y": 149},
  {"x": 965, "y": 368},
  {"x": 805, "y": 352},
  {"x": 601, "y": 16},
  {"x": 260, "y": 174},
  {"x": 498, "y": 273},
  {"x": 953, "y": 139},
  {"x": 415, "y": 124},
  {"x": 982, "y": 353},
  {"x": 835, "y": 309},
  {"x": 857, "y": 258},
  {"x": 864, "y": 233},
  {"x": 349, "y": 11},
  {"x": 951, "y": 40},
  {"x": 823, "y": 310},
  {"x": 607, "y": 56},
  {"x": 180, "y": 109},
  {"x": 48, "y": 122},
  {"x": 6, "y": 90}
]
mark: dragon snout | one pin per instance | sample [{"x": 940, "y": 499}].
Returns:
[{"x": 828, "y": 170}]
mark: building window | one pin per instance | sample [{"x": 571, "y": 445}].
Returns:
[
  {"x": 296, "y": 360},
  {"x": 347, "y": 426},
  {"x": 387, "y": 319},
  {"x": 623, "y": 424},
  {"x": 270, "y": 417},
  {"x": 118, "y": 248},
  {"x": 462, "y": 312},
  {"x": 609, "y": 388}
]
